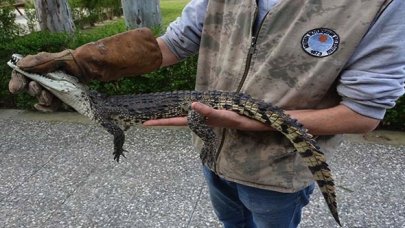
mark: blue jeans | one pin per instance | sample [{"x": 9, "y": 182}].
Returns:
[{"x": 238, "y": 205}]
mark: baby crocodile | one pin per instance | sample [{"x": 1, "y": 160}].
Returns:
[{"x": 118, "y": 113}]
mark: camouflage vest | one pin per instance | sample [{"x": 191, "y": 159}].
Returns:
[{"x": 292, "y": 61}]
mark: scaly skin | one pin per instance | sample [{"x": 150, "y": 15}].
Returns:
[{"x": 118, "y": 113}]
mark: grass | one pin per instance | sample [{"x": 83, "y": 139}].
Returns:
[{"x": 171, "y": 9}]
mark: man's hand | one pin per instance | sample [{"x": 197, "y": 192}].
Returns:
[
  {"x": 130, "y": 53},
  {"x": 46, "y": 101},
  {"x": 215, "y": 118}
]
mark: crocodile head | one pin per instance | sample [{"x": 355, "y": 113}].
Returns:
[{"x": 65, "y": 87}]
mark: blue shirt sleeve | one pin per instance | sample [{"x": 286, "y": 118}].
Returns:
[
  {"x": 374, "y": 77},
  {"x": 184, "y": 34}
]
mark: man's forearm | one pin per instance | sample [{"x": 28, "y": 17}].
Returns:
[
  {"x": 168, "y": 58},
  {"x": 336, "y": 120}
]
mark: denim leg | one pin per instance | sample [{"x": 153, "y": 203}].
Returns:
[
  {"x": 225, "y": 201},
  {"x": 238, "y": 205},
  {"x": 274, "y": 209}
]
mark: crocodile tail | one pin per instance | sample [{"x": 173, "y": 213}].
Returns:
[
  {"x": 303, "y": 142},
  {"x": 316, "y": 163},
  {"x": 306, "y": 146}
]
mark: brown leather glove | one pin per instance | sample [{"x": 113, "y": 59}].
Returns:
[
  {"x": 126, "y": 54},
  {"x": 130, "y": 53}
]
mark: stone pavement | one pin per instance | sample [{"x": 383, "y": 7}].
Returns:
[{"x": 57, "y": 170}]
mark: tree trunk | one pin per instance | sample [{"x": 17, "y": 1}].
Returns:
[
  {"x": 141, "y": 13},
  {"x": 54, "y": 16}
]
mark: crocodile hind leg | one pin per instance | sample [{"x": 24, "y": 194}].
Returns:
[{"x": 198, "y": 125}]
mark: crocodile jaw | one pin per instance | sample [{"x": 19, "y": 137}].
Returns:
[{"x": 65, "y": 87}]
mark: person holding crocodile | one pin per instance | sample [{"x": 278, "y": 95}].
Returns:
[{"x": 335, "y": 66}]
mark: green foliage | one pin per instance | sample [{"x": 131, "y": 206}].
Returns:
[
  {"x": 8, "y": 28},
  {"x": 32, "y": 19},
  {"x": 178, "y": 77},
  {"x": 31, "y": 16},
  {"x": 88, "y": 12},
  {"x": 96, "y": 33},
  {"x": 395, "y": 118}
]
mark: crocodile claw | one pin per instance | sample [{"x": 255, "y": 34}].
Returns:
[{"x": 118, "y": 153}]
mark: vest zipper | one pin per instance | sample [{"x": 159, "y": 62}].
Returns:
[
  {"x": 248, "y": 61},
  {"x": 251, "y": 51},
  {"x": 245, "y": 73}
]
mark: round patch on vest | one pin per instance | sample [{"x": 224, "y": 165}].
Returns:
[{"x": 320, "y": 42}]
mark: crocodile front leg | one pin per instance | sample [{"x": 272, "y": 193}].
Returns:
[
  {"x": 197, "y": 123},
  {"x": 119, "y": 138}
]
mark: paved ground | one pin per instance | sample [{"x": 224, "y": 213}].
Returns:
[{"x": 56, "y": 170}]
